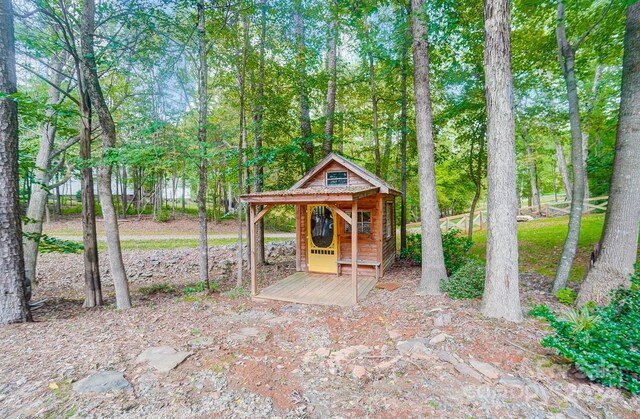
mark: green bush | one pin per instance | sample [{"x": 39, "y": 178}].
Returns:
[
  {"x": 566, "y": 296},
  {"x": 455, "y": 247},
  {"x": 602, "y": 342},
  {"x": 162, "y": 288},
  {"x": 467, "y": 281}
]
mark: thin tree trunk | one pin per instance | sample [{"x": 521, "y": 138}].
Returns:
[
  {"x": 501, "y": 297},
  {"x": 242, "y": 147},
  {"x": 403, "y": 128},
  {"x": 563, "y": 169},
  {"x": 42, "y": 176},
  {"x": 476, "y": 175},
  {"x": 202, "y": 139},
  {"x": 433, "y": 268},
  {"x": 124, "y": 192},
  {"x": 303, "y": 96},
  {"x": 13, "y": 302},
  {"x": 566, "y": 55},
  {"x": 619, "y": 241},
  {"x": 533, "y": 173},
  {"x": 374, "y": 99},
  {"x": 257, "y": 139},
  {"x": 587, "y": 126},
  {"x": 327, "y": 143}
]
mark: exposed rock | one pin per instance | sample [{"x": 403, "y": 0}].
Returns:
[
  {"x": 439, "y": 338},
  {"x": 163, "y": 358},
  {"x": 359, "y": 372},
  {"x": 418, "y": 345},
  {"x": 461, "y": 367},
  {"x": 345, "y": 353},
  {"x": 485, "y": 369},
  {"x": 524, "y": 218},
  {"x": 442, "y": 319},
  {"x": 323, "y": 352},
  {"x": 538, "y": 391},
  {"x": 383, "y": 366},
  {"x": 102, "y": 382},
  {"x": 394, "y": 334},
  {"x": 510, "y": 381},
  {"x": 249, "y": 331}
]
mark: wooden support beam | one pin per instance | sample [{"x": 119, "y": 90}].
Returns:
[
  {"x": 354, "y": 251},
  {"x": 341, "y": 213},
  {"x": 262, "y": 213},
  {"x": 252, "y": 258},
  {"x": 299, "y": 220}
]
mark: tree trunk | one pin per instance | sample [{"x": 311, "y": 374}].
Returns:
[
  {"x": 303, "y": 96},
  {"x": 476, "y": 176},
  {"x": 563, "y": 169},
  {"x": 619, "y": 241},
  {"x": 433, "y": 269},
  {"x": 374, "y": 99},
  {"x": 501, "y": 297},
  {"x": 42, "y": 176},
  {"x": 124, "y": 192},
  {"x": 566, "y": 54},
  {"x": 242, "y": 146},
  {"x": 13, "y": 302},
  {"x": 90, "y": 76},
  {"x": 403, "y": 128},
  {"x": 533, "y": 173},
  {"x": 202, "y": 139},
  {"x": 258, "y": 174},
  {"x": 586, "y": 128},
  {"x": 327, "y": 143}
]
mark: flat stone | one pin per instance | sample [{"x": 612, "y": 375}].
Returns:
[
  {"x": 447, "y": 357},
  {"x": 418, "y": 345},
  {"x": 485, "y": 369},
  {"x": 249, "y": 331},
  {"x": 442, "y": 319},
  {"x": 394, "y": 334},
  {"x": 439, "y": 338},
  {"x": 323, "y": 352},
  {"x": 463, "y": 368},
  {"x": 163, "y": 358},
  {"x": 359, "y": 372},
  {"x": 383, "y": 366},
  {"x": 102, "y": 382},
  {"x": 345, "y": 353},
  {"x": 510, "y": 381},
  {"x": 538, "y": 391}
]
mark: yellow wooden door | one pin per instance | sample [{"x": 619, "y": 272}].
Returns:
[{"x": 322, "y": 239}]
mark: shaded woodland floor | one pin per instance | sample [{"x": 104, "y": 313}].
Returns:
[{"x": 275, "y": 359}]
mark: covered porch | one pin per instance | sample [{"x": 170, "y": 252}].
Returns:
[{"x": 317, "y": 288}]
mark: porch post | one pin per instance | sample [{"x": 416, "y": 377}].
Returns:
[
  {"x": 252, "y": 247},
  {"x": 299, "y": 219},
  {"x": 354, "y": 251}
]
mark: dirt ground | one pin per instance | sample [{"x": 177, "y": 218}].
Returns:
[{"x": 255, "y": 359}]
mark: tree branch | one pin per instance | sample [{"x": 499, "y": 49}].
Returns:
[{"x": 597, "y": 22}]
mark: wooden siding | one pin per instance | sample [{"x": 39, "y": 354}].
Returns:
[
  {"x": 388, "y": 243},
  {"x": 319, "y": 179}
]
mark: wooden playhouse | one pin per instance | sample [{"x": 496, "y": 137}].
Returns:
[{"x": 338, "y": 260}]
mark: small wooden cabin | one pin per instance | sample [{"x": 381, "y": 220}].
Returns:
[{"x": 326, "y": 199}]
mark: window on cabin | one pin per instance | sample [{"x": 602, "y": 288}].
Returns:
[
  {"x": 389, "y": 219},
  {"x": 364, "y": 223},
  {"x": 337, "y": 178}
]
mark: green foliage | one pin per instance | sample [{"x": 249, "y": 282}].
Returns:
[
  {"x": 455, "y": 247},
  {"x": 467, "y": 281},
  {"x": 162, "y": 288},
  {"x": 199, "y": 287},
  {"x": 602, "y": 342},
  {"x": 235, "y": 293},
  {"x": 163, "y": 216},
  {"x": 566, "y": 296},
  {"x": 49, "y": 244}
]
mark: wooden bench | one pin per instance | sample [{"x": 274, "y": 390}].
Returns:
[{"x": 360, "y": 263}]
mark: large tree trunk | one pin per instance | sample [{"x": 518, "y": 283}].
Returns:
[
  {"x": 13, "y": 301},
  {"x": 619, "y": 241},
  {"x": 433, "y": 269},
  {"x": 566, "y": 54},
  {"x": 257, "y": 139},
  {"x": 303, "y": 96},
  {"x": 327, "y": 143},
  {"x": 403, "y": 129},
  {"x": 563, "y": 169},
  {"x": 501, "y": 297},
  {"x": 42, "y": 176},
  {"x": 90, "y": 76},
  {"x": 202, "y": 139}
]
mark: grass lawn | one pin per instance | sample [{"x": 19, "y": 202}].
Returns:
[{"x": 541, "y": 241}]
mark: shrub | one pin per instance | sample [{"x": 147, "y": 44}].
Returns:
[
  {"x": 566, "y": 296},
  {"x": 467, "y": 281},
  {"x": 162, "y": 288},
  {"x": 602, "y": 342},
  {"x": 454, "y": 246}
]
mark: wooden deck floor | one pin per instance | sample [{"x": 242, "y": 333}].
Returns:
[{"x": 316, "y": 288}]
